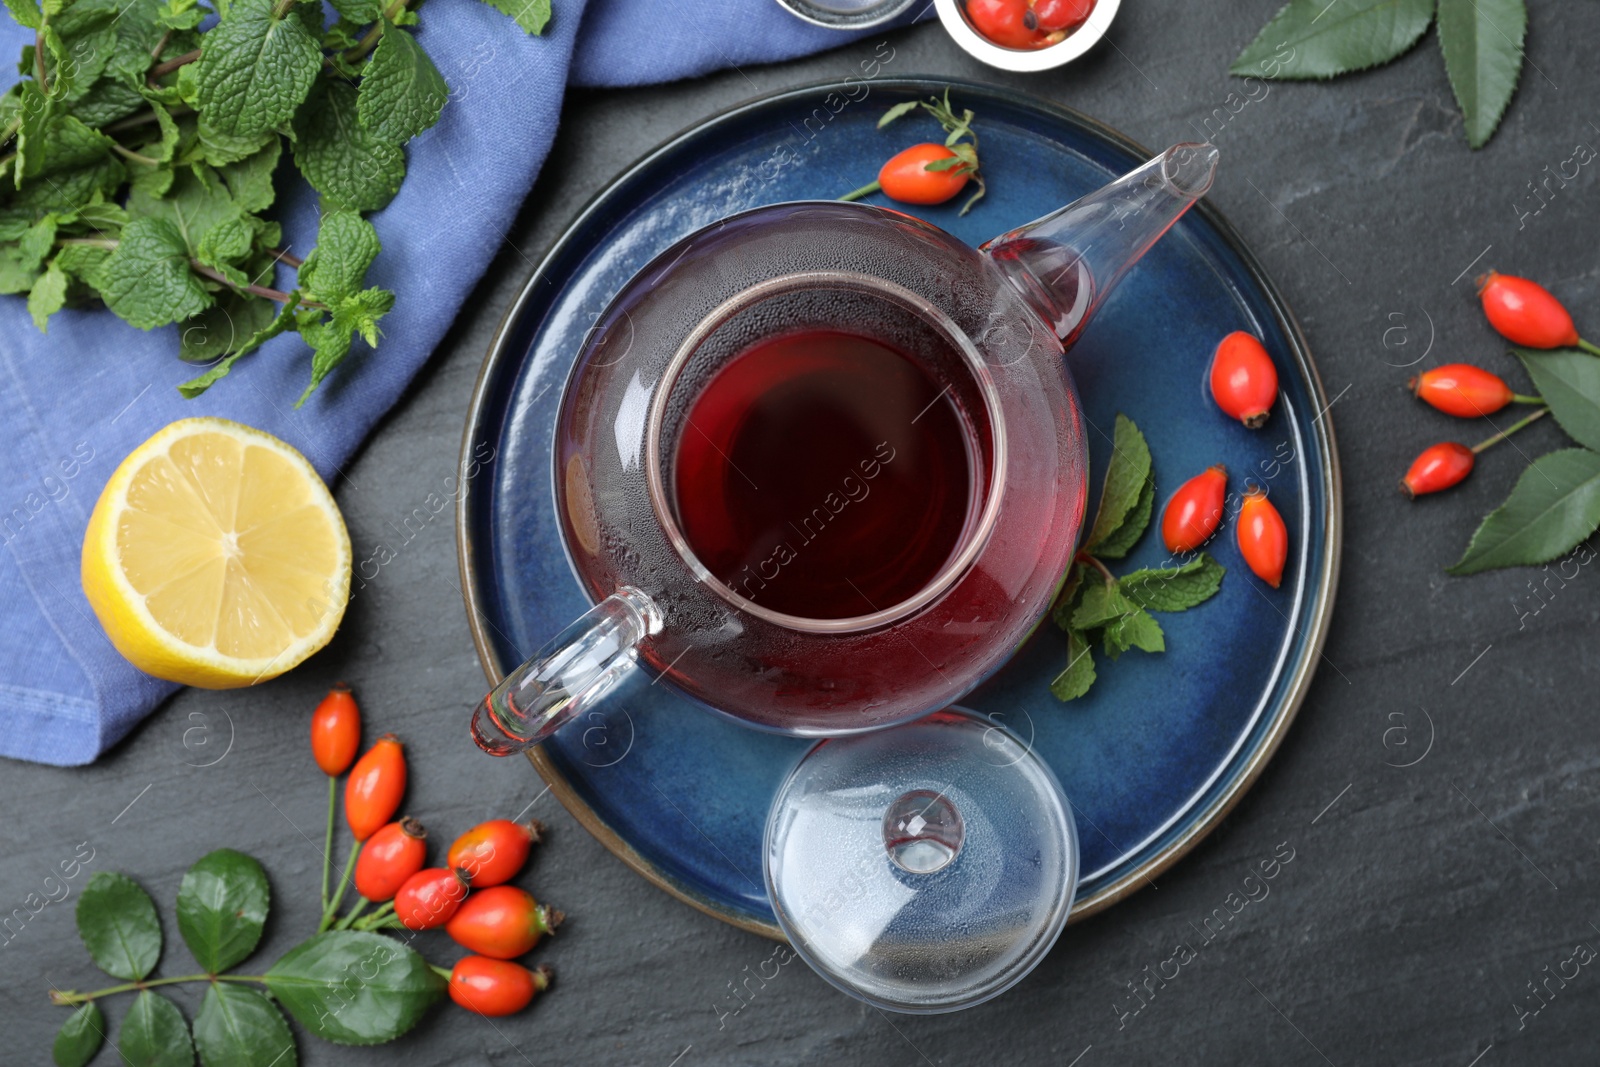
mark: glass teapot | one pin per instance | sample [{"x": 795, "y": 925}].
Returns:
[{"x": 904, "y": 398}]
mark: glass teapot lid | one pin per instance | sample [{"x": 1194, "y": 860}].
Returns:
[{"x": 923, "y": 868}]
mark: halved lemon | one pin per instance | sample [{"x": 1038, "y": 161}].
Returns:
[{"x": 216, "y": 556}]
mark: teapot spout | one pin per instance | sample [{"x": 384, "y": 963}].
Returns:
[{"x": 1066, "y": 263}]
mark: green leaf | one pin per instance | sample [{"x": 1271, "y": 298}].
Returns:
[
  {"x": 26, "y": 13},
  {"x": 218, "y": 149},
  {"x": 37, "y": 113},
  {"x": 239, "y": 1027},
  {"x": 1173, "y": 588},
  {"x": 1067, "y": 598},
  {"x": 1136, "y": 629},
  {"x": 1569, "y": 381},
  {"x": 15, "y": 276},
  {"x": 1482, "y": 45},
  {"x": 1554, "y": 506},
  {"x": 1078, "y": 675},
  {"x": 223, "y": 327},
  {"x": 137, "y": 32},
  {"x": 898, "y": 111},
  {"x": 227, "y": 242},
  {"x": 118, "y": 924},
  {"x": 255, "y": 70},
  {"x": 1322, "y": 38},
  {"x": 195, "y": 204},
  {"x": 330, "y": 337},
  {"x": 401, "y": 91},
  {"x": 222, "y": 906},
  {"x": 147, "y": 280},
  {"x": 284, "y": 321},
  {"x": 107, "y": 101},
  {"x": 354, "y": 988},
  {"x": 250, "y": 179},
  {"x": 531, "y": 15},
  {"x": 80, "y": 1037},
  {"x": 1101, "y": 603},
  {"x": 1121, "y": 543},
  {"x": 47, "y": 296},
  {"x": 346, "y": 246},
  {"x": 1126, "y": 474},
  {"x": 34, "y": 245},
  {"x": 154, "y": 1034},
  {"x": 81, "y": 261},
  {"x": 360, "y": 12},
  {"x": 353, "y": 170}
]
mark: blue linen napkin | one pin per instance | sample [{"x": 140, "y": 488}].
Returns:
[{"x": 75, "y": 402}]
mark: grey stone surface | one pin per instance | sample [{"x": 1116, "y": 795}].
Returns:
[{"x": 1421, "y": 900}]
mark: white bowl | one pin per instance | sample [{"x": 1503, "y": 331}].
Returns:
[{"x": 1076, "y": 44}]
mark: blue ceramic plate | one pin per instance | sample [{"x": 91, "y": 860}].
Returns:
[{"x": 1163, "y": 745}]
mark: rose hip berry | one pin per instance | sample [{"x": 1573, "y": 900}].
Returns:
[
  {"x": 372, "y": 792},
  {"x": 1525, "y": 313},
  {"x": 336, "y": 731},
  {"x": 1465, "y": 391},
  {"x": 430, "y": 897},
  {"x": 1439, "y": 467},
  {"x": 496, "y": 987},
  {"x": 503, "y": 922},
  {"x": 1058, "y": 15},
  {"x": 1195, "y": 510},
  {"x": 493, "y": 852},
  {"x": 391, "y": 855},
  {"x": 1006, "y": 22},
  {"x": 1244, "y": 380},
  {"x": 1263, "y": 538}
]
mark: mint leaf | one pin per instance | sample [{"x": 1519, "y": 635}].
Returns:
[
  {"x": 35, "y": 243},
  {"x": 353, "y": 170},
  {"x": 36, "y": 112},
  {"x": 224, "y": 327},
  {"x": 219, "y": 149},
  {"x": 1133, "y": 527},
  {"x": 80, "y": 261},
  {"x": 107, "y": 101},
  {"x": 1126, "y": 473},
  {"x": 250, "y": 179},
  {"x": 15, "y": 277},
  {"x": 1569, "y": 381},
  {"x": 226, "y": 243},
  {"x": 359, "y": 12},
  {"x": 147, "y": 280},
  {"x": 1136, "y": 629},
  {"x": 1173, "y": 588},
  {"x": 26, "y": 12},
  {"x": 330, "y": 337},
  {"x": 196, "y": 202},
  {"x": 49, "y": 293},
  {"x": 1321, "y": 38},
  {"x": 1067, "y": 598},
  {"x": 285, "y": 321},
  {"x": 346, "y": 246},
  {"x": 1482, "y": 45},
  {"x": 402, "y": 91},
  {"x": 255, "y": 70},
  {"x": 1078, "y": 675},
  {"x": 531, "y": 15},
  {"x": 1555, "y": 505},
  {"x": 1100, "y": 604}
]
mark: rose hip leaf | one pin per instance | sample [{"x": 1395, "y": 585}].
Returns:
[
  {"x": 531, "y": 15},
  {"x": 898, "y": 111},
  {"x": 346, "y": 246},
  {"x": 47, "y": 296},
  {"x": 1078, "y": 675},
  {"x": 147, "y": 280},
  {"x": 1554, "y": 506},
  {"x": 80, "y": 1037},
  {"x": 1126, "y": 475},
  {"x": 1173, "y": 588},
  {"x": 239, "y": 1027},
  {"x": 353, "y": 170},
  {"x": 401, "y": 91},
  {"x": 222, "y": 907},
  {"x": 256, "y": 69},
  {"x": 1482, "y": 45},
  {"x": 118, "y": 924},
  {"x": 1327, "y": 38},
  {"x": 154, "y": 1034},
  {"x": 1569, "y": 381},
  {"x": 284, "y": 321},
  {"x": 354, "y": 988}
]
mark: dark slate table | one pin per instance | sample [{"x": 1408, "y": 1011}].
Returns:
[{"x": 1422, "y": 900}]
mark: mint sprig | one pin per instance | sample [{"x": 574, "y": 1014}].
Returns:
[
  {"x": 138, "y": 153},
  {"x": 1097, "y": 607}
]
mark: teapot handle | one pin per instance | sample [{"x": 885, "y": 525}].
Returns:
[{"x": 570, "y": 673}]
